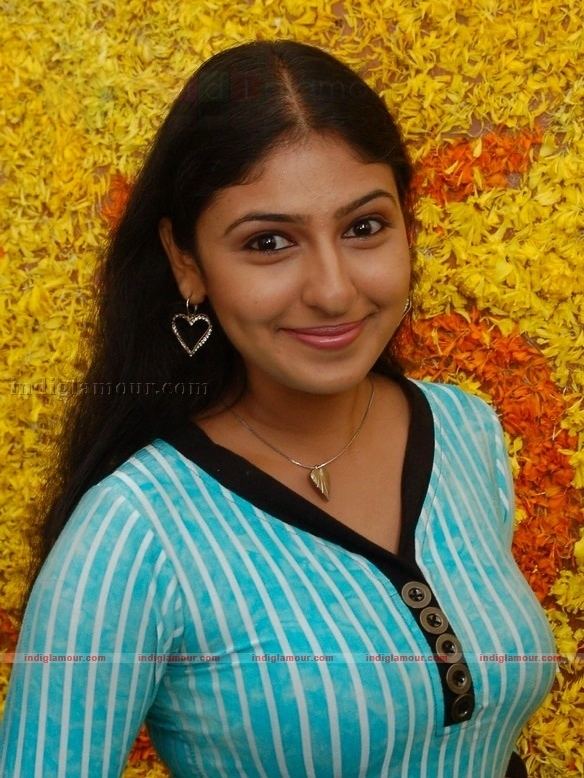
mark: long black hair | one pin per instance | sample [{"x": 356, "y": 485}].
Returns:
[{"x": 237, "y": 107}]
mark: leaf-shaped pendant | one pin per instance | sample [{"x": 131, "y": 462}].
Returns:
[{"x": 319, "y": 478}]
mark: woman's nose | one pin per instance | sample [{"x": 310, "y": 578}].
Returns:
[{"x": 327, "y": 281}]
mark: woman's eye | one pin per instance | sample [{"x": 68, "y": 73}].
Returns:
[
  {"x": 266, "y": 243},
  {"x": 360, "y": 233}
]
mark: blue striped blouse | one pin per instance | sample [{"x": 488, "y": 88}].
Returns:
[{"x": 258, "y": 636}]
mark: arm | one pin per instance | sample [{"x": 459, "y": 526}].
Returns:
[{"x": 107, "y": 589}]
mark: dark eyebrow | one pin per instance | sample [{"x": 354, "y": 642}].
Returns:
[{"x": 291, "y": 217}]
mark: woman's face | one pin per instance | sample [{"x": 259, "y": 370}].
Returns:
[{"x": 308, "y": 283}]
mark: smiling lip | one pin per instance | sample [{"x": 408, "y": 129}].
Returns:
[{"x": 329, "y": 337}]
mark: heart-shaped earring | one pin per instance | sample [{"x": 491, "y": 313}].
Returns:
[{"x": 192, "y": 318}]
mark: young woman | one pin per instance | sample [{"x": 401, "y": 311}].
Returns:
[{"x": 291, "y": 558}]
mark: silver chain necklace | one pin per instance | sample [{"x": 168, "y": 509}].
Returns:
[{"x": 318, "y": 475}]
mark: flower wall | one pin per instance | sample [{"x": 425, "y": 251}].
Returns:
[{"x": 490, "y": 97}]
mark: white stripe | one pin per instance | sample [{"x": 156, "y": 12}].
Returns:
[
  {"x": 97, "y": 497},
  {"x": 55, "y": 605},
  {"x": 458, "y": 449},
  {"x": 209, "y": 584},
  {"x": 459, "y": 498},
  {"x": 373, "y": 576},
  {"x": 328, "y": 685},
  {"x": 487, "y": 546},
  {"x": 365, "y": 736},
  {"x": 286, "y": 648},
  {"x": 72, "y": 635},
  {"x": 273, "y": 616},
  {"x": 170, "y": 592},
  {"x": 512, "y": 594},
  {"x": 270, "y": 694},
  {"x": 239, "y": 597},
  {"x": 136, "y": 667}
]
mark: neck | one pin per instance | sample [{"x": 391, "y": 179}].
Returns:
[{"x": 319, "y": 422}]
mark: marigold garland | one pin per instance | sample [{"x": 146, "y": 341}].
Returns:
[{"x": 490, "y": 99}]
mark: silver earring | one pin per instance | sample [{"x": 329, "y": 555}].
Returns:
[
  {"x": 407, "y": 309},
  {"x": 191, "y": 318}
]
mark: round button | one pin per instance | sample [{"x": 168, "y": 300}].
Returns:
[
  {"x": 462, "y": 707},
  {"x": 458, "y": 678},
  {"x": 448, "y": 648},
  {"x": 416, "y": 594},
  {"x": 433, "y": 620}
]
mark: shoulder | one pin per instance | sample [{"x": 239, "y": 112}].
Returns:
[
  {"x": 157, "y": 468},
  {"x": 452, "y": 405},
  {"x": 123, "y": 508},
  {"x": 109, "y": 556},
  {"x": 464, "y": 423},
  {"x": 468, "y": 431}
]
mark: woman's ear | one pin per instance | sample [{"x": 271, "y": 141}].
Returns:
[{"x": 187, "y": 273}]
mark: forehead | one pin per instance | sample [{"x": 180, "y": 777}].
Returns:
[{"x": 322, "y": 173}]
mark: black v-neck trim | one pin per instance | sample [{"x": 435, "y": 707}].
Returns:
[{"x": 264, "y": 491}]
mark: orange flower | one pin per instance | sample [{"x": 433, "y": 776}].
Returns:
[
  {"x": 457, "y": 170},
  {"x": 142, "y": 750},
  {"x": 8, "y": 632},
  {"x": 116, "y": 199}
]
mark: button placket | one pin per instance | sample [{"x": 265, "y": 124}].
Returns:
[
  {"x": 433, "y": 620},
  {"x": 454, "y": 671},
  {"x": 448, "y": 648},
  {"x": 458, "y": 678},
  {"x": 416, "y": 594},
  {"x": 462, "y": 707}
]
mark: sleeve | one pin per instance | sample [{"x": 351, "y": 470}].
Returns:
[{"x": 106, "y": 597}]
